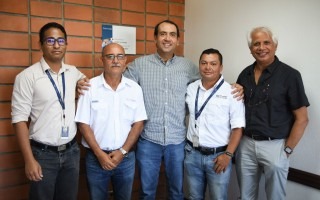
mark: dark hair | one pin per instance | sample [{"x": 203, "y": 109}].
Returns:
[
  {"x": 48, "y": 26},
  {"x": 212, "y": 51},
  {"x": 156, "y": 28}
]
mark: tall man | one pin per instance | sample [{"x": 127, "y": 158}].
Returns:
[
  {"x": 214, "y": 131},
  {"x": 276, "y": 117},
  {"x": 45, "y": 93},
  {"x": 111, "y": 116},
  {"x": 164, "y": 78}
]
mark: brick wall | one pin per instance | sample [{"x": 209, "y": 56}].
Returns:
[{"x": 20, "y": 21}]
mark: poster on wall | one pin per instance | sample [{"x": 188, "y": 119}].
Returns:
[{"x": 124, "y": 35}]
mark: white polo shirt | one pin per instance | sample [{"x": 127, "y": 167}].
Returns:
[
  {"x": 221, "y": 114},
  {"x": 110, "y": 113},
  {"x": 34, "y": 97}
]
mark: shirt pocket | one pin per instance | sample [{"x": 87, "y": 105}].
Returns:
[
  {"x": 100, "y": 108},
  {"x": 217, "y": 110},
  {"x": 129, "y": 109}
]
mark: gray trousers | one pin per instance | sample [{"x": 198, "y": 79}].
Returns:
[{"x": 256, "y": 157}]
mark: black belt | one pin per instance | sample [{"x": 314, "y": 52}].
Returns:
[
  {"x": 258, "y": 137},
  {"x": 208, "y": 150},
  {"x": 53, "y": 148}
]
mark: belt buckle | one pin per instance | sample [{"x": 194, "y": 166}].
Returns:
[
  {"x": 62, "y": 147},
  {"x": 208, "y": 151}
]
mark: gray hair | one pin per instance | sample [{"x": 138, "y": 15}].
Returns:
[{"x": 263, "y": 29}]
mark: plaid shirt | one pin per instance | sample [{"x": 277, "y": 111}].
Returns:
[{"x": 164, "y": 87}]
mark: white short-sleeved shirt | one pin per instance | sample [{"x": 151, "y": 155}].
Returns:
[
  {"x": 221, "y": 114},
  {"x": 34, "y": 96},
  {"x": 110, "y": 113}
]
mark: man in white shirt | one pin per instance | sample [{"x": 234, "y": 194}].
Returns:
[
  {"x": 111, "y": 115},
  {"x": 214, "y": 132},
  {"x": 44, "y": 93}
]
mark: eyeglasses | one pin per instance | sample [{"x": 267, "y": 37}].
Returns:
[
  {"x": 50, "y": 41},
  {"x": 112, "y": 56},
  {"x": 259, "y": 95}
]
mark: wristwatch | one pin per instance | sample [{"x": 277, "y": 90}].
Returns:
[
  {"x": 124, "y": 152},
  {"x": 288, "y": 150}
]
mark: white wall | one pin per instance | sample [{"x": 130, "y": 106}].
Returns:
[{"x": 224, "y": 25}]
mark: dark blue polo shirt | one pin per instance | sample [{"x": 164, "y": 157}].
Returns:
[{"x": 269, "y": 104}]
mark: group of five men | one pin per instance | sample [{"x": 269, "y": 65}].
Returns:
[{"x": 144, "y": 105}]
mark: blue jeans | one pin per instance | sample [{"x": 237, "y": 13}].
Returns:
[
  {"x": 60, "y": 174},
  {"x": 149, "y": 158},
  {"x": 199, "y": 171},
  {"x": 121, "y": 178}
]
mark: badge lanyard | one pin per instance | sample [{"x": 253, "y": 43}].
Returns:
[
  {"x": 61, "y": 100},
  {"x": 198, "y": 113}
]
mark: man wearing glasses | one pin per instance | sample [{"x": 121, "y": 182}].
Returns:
[
  {"x": 111, "y": 115},
  {"x": 276, "y": 117},
  {"x": 44, "y": 95}
]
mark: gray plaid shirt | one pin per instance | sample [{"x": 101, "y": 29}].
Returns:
[{"x": 164, "y": 87}]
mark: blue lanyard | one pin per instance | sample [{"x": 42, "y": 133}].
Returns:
[
  {"x": 56, "y": 89},
  {"x": 198, "y": 113}
]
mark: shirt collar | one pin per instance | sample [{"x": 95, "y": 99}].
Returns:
[
  {"x": 215, "y": 85},
  {"x": 270, "y": 69},
  {"x": 124, "y": 82},
  {"x": 171, "y": 60},
  {"x": 45, "y": 66}
]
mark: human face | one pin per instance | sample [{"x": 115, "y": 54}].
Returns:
[
  {"x": 263, "y": 49},
  {"x": 53, "y": 53},
  {"x": 114, "y": 59},
  {"x": 210, "y": 67},
  {"x": 166, "y": 40}
]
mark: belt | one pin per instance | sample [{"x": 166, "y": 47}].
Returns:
[
  {"x": 259, "y": 137},
  {"x": 62, "y": 147},
  {"x": 106, "y": 151},
  {"x": 208, "y": 150}
]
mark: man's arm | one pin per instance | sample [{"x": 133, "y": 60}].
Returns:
[
  {"x": 299, "y": 125},
  {"x": 32, "y": 167},
  {"x": 132, "y": 138},
  {"x": 222, "y": 161},
  {"x": 104, "y": 159}
]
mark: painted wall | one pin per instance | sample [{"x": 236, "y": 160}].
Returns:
[
  {"x": 224, "y": 25},
  {"x": 20, "y": 21}
]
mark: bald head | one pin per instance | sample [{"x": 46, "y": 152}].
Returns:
[{"x": 111, "y": 46}]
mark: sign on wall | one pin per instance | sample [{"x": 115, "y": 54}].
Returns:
[{"x": 124, "y": 35}]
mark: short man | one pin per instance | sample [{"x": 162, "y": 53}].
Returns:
[
  {"x": 111, "y": 115},
  {"x": 276, "y": 117},
  {"x": 45, "y": 93},
  {"x": 214, "y": 132}
]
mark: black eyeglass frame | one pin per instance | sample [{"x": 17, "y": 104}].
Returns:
[{"x": 51, "y": 41}]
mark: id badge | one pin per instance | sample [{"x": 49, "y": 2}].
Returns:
[
  {"x": 65, "y": 132},
  {"x": 195, "y": 141}
]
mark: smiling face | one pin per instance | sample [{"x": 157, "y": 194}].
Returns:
[
  {"x": 210, "y": 68},
  {"x": 166, "y": 40},
  {"x": 263, "y": 48},
  {"x": 56, "y": 52}
]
